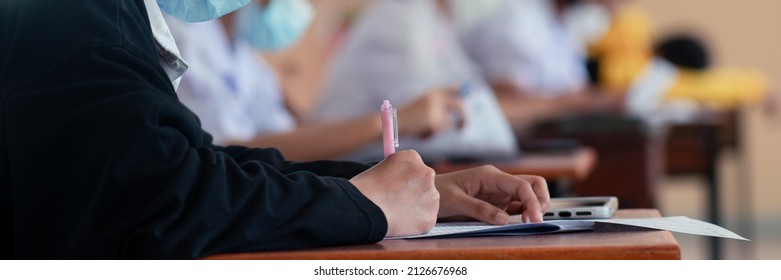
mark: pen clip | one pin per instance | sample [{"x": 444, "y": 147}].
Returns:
[{"x": 395, "y": 128}]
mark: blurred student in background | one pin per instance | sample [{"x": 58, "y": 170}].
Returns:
[
  {"x": 238, "y": 96},
  {"x": 547, "y": 58},
  {"x": 398, "y": 50},
  {"x": 666, "y": 80},
  {"x": 531, "y": 61},
  {"x": 524, "y": 45}
]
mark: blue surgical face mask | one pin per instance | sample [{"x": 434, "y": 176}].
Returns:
[
  {"x": 276, "y": 26},
  {"x": 200, "y": 10}
]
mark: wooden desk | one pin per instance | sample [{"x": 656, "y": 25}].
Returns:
[
  {"x": 694, "y": 148},
  {"x": 633, "y": 160},
  {"x": 574, "y": 165},
  {"x": 638, "y": 244}
]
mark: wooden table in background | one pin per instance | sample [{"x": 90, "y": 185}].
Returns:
[
  {"x": 575, "y": 165},
  {"x": 609, "y": 244},
  {"x": 694, "y": 148}
]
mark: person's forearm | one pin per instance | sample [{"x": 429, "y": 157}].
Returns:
[
  {"x": 322, "y": 141},
  {"x": 523, "y": 111}
]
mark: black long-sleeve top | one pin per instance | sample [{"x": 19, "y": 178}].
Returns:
[{"x": 99, "y": 160}]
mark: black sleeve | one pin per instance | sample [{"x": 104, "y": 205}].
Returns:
[
  {"x": 104, "y": 162},
  {"x": 341, "y": 169}
]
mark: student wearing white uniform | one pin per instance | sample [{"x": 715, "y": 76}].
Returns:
[
  {"x": 398, "y": 49},
  {"x": 525, "y": 44},
  {"x": 238, "y": 97},
  {"x": 534, "y": 66},
  {"x": 232, "y": 90}
]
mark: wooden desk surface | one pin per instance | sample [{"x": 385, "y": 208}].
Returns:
[
  {"x": 576, "y": 165},
  {"x": 637, "y": 244}
]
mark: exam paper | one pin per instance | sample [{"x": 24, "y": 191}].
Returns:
[
  {"x": 675, "y": 224},
  {"x": 680, "y": 224}
]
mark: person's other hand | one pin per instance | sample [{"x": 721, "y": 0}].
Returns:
[
  {"x": 489, "y": 195},
  {"x": 403, "y": 187},
  {"x": 431, "y": 113}
]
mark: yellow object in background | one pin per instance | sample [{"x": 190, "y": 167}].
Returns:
[
  {"x": 722, "y": 88},
  {"x": 626, "y": 49}
]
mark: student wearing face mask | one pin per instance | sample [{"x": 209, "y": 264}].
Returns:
[
  {"x": 238, "y": 98},
  {"x": 100, "y": 160}
]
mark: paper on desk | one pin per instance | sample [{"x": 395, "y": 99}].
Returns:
[
  {"x": 675, "y": 224},
  {"x": 680, "y": 224},
  {"x": 464, "y": 229}
]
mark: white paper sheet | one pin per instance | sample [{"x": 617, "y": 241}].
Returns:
[{"x": 675, "y": 224}]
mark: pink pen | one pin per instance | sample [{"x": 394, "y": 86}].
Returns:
[{"x": 390, "y": 129}]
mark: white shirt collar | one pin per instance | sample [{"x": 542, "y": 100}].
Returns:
[{"x": 170, "y": 59}]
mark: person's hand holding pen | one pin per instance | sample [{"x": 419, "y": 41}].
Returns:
[
  {"x": 404, "y": 188},
  {"x": 431, "y": 113}
]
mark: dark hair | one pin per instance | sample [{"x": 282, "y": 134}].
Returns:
[{"x": 685, "y": 51}]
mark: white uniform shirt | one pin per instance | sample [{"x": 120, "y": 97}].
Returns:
[
  {"x": 398, "y": 50},
  {"x": 228, "y": 86},
  {"x": 170, "y": 59},
  {"x": 524, "y": 43}
]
